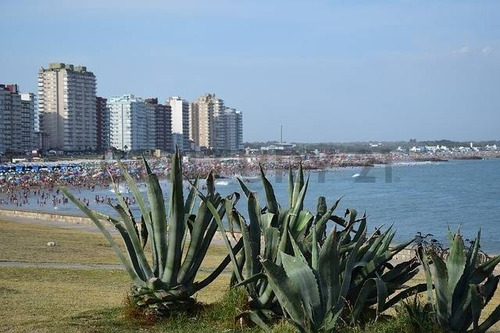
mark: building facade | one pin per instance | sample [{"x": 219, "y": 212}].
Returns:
[
  {"x": 103, "y": 124},
  {"x": 17, "y": 120},
  {"x": 194, "y": 133},
  {"x": 233, "y": 130},
  {"x": 67, "y": 107},
  {"x": 162, "y": 124},
  {"x": 214, "y": 126},
  {"x": 180, "y": 122},
  {"x": 129, "y": 123},
  {"x": 28, "y": 122},
  {"x": 204, "y": 118}
]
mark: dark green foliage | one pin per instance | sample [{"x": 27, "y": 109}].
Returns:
[
  {"x": 178, "y": 240},
  {"x": 462, "y": 289},
  {"x": 290, "y": 267}
]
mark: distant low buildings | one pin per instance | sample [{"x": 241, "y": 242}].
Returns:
[
  {"x": 279, "y": 148},
  {"x": 491, "y": 147}
]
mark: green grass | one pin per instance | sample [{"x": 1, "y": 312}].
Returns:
[
  {"x": 70, "y": 300},
  {"x": 28, "y": 243},
  {"x": 43, "y": 299},
  {"x": 65, "y": 300},
  {"x": 58, "y": 299}
]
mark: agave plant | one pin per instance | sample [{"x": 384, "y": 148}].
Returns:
[
  {"x": 462, "y": 290},
  {"x": 264, "y": 236},
  {"x": 274, "y": 233},
  {"x": 178, "y": 240},
  {"x": 313, "y": 296},
  {"x": 349, "y": 278}
]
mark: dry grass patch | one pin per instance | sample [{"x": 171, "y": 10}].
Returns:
[
  {"x": 28, "y": 243},
  {"x": 65, "y": 300}
]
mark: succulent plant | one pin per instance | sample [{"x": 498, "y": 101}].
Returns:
[
  {"x": 178, "y": 240},
  {"x": 356, "y": 267},
  {"x": 461, "y": 287}
]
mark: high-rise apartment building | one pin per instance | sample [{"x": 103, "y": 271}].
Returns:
[
  {"x": 103, "y": 124},
  {"x": 215, "y": 126},
  {"x": 129, "y": 123},
  {"x": 180, "y": 122},
  {"x": 162, "y": 124},
  {"x": 204, "y": 114},
  {"x": 233, "y": 130},
  {"x": 17, "y": 120},
  {"x": 194, "y": 116},
  {"x": 151, "y": 125},
  {"x": 67, "y": 107},
  {"x": 27, "y": 127}
]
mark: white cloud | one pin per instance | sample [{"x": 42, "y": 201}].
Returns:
[
  {"x": 466, "y": 50},
  {"x": 486, "y": 50},
  {"x": 462, "y": 50}
]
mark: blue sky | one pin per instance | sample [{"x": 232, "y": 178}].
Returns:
[{"x": 329, "y": 71}]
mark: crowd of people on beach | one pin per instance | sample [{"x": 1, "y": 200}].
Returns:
[{"x": 21, "y": 183}]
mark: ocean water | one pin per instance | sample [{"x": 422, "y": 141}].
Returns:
[
  {"x": 413, "y": 197},
  {"x": 418, "y": 197}
]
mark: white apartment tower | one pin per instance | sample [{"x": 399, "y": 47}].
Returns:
[
  {"x": 67, "y": 107},
  {"x": 17, "y": 119},
  {"x": 130, "y": 123},
  {"x": 233, "y": 130},
  {"x": 180, "y": 122}
]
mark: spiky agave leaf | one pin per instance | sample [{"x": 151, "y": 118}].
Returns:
[
  {"x": 128, "y": 267},
  {"x": 462, "y": 290},
  {"x": 164, "y": 288}
]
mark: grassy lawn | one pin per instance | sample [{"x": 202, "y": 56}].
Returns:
[
  {"x": 72, "y": 300},
  {"x": 78, "y": 300},
  {"x": 28, "y": 243},
  {"x": 65, "y": 300}
]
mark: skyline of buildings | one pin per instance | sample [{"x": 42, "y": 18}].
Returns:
[{"x": 71, "y": 117}]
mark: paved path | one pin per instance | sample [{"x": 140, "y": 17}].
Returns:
[
  {"x": 62, "y": 265},
  {"x": 66, "y": 265}
]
